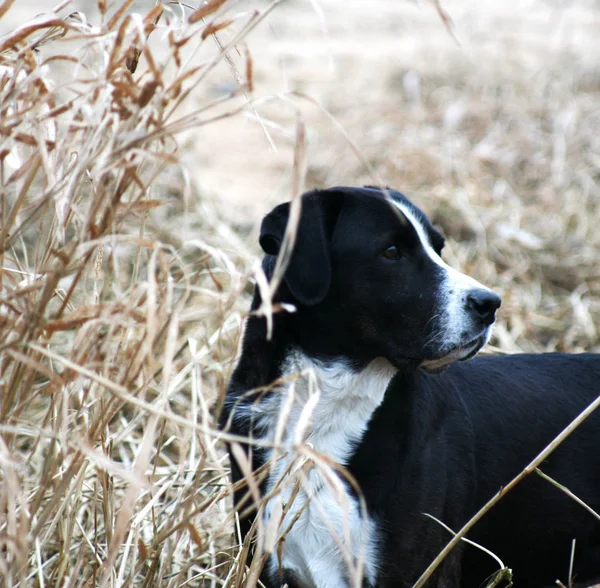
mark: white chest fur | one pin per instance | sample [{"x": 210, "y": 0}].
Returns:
[{"x": 315, "y": 420}]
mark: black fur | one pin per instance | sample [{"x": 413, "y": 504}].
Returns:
[{"x": 441, "y": 444}]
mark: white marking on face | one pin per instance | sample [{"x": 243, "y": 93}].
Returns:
[
  {"x": 454, "y": 319},
  {"x": 327, "y": 408}
]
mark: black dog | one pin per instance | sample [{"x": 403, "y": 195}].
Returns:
[{"x": 363, "y": 375}]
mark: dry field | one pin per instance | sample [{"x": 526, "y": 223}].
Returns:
[{"x": 138, "y": 152}]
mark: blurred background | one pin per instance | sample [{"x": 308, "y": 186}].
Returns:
[{"x": 487, "y": 115}]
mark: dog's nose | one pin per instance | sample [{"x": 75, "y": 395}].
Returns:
[{"x": 484, "y": 304}]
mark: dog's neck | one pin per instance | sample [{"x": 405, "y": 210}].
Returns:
[
  {"x": 284, "y": 395},
  {"x": 328, "y": 404},
  {"x": 325, "y": 402}
]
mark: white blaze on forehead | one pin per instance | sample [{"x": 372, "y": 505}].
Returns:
[
  {"x": 452, "y": 294},
  {"x": 458, "y": 280}
]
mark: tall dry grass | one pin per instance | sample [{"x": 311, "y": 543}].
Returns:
[{"x": 118, "y": 315}]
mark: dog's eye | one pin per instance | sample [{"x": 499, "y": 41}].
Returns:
[{"x": 391, "y": 253}]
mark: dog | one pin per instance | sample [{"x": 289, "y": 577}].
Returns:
[{"x": 371, "y": 437}]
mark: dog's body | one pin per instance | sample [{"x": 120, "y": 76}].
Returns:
[{"x": 342, "y": 382}]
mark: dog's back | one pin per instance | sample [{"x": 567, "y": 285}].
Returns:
[{"x": 458, "y": 437}]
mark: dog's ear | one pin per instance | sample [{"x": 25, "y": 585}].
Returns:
[
  {"x": 272, "y": 229},
  {"x": 308, "y": 274}
]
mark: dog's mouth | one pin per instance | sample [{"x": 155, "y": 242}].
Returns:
[{"x": 461, "y": 352}]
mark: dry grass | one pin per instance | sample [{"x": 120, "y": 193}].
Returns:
[
  {"x": 122, "y": 290},
  {"x": 118, "y": 319}
]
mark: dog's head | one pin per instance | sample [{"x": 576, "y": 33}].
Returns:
[{"x": 368, "y": 280}]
